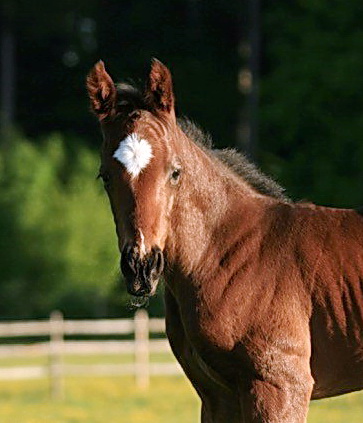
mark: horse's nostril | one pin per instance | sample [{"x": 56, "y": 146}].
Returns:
[
  {"x": 159, "y": 261},
  {"x": 127, "y": 250},
  {"x": 128, "y": 260}
]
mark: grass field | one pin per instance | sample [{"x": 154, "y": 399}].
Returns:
[{"x": 116, "y": 399}]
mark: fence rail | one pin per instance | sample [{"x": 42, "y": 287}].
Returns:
[{"x": 58, "y": 347}]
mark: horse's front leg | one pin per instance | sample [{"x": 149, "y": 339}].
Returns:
[
  {"x": 263, "y": 402},
  {"x": 220, "y": 407},
  {"x": 220, "y": 404},
  {"x": 268, "y": 402}
]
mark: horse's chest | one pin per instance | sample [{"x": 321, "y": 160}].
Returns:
[
  {"x": 214, "y": 334},
  {"x": 213, "y": 337},
  {"x": 214, "y": 348},
  {"x": 208, "y": 331}
]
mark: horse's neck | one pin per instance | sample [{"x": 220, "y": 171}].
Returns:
[{"x": 213, "y": 212}]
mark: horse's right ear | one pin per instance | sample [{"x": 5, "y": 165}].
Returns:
[{"x": 102, "y": 92}]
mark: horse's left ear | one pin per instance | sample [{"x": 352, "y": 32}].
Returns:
[
  {"x": 159, "y": 90},
  {"x": 102, "y": 92}
]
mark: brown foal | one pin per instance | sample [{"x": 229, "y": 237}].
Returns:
[{"x": 264, "y": 297}]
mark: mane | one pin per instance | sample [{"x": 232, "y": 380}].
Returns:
[
  {"x": 132, "y": 98},
  {"x": 236, "y": 161}
]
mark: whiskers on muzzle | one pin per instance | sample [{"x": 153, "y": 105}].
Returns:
[{"x": 142, "y": 273}]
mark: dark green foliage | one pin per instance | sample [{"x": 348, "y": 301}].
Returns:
[
  {"x": 58, "y": 247},
  {"x": 311, "y": 99},
  {"x": 58, "y": 43}
]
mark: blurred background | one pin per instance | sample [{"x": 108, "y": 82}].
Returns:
[{"x": 281, "y": 81}]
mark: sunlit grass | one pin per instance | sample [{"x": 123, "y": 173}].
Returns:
[
  {"x": 82, "y": 359},
  {"x": 99, "y": 400},
  {"x": 117, "y": 399},
  {"x": 344, "y": 409}
]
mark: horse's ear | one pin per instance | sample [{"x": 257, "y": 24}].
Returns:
[
  {"x": 159, "y": 90},
  {"x": 102, "y": 91}
]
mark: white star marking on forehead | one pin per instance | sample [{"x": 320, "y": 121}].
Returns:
[{"x": 134, "y": 153}]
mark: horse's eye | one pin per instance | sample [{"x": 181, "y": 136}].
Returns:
[{"x": 175, "y": 176}]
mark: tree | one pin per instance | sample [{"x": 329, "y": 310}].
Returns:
[
  {"x": 311, "y": 102},
  {"x": 59, "y": 246}
]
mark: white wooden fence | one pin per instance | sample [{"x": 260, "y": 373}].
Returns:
[{"x": 58, "y": 346}]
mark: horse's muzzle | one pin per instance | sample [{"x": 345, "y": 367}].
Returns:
[{"x": 141, "y": 273}]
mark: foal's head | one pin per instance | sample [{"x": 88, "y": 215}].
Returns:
[{"x": 139, "y": 167}]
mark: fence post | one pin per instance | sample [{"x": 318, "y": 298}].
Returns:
[
  {"x": 142, "y": 365},
  {"x": 55, "y": 355}
]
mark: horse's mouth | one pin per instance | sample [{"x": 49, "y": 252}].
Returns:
[
  {"x": 137, "y": 289},
  {"x": 141, "y": 273},
  {"x": 141, "y": 288}
]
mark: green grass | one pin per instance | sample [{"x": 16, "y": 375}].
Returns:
[
  {"x": 117, "y": 399},
  {"x": 99, "y": 400},
  {"x": 82, "y": 359},
  {"x": 344, "y": 409}
]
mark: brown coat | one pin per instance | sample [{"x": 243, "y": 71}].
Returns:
[{"x": 264, "y": 297}]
